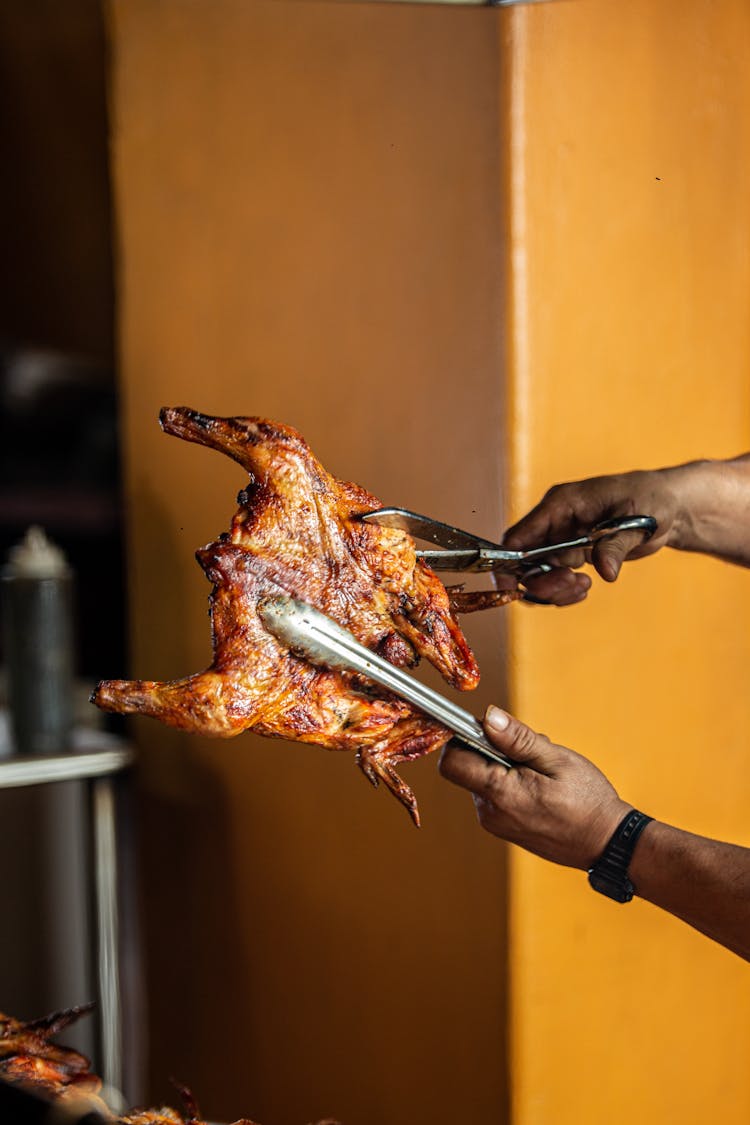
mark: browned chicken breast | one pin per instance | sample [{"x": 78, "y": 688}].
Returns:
[{"x": 298, "y": 530}]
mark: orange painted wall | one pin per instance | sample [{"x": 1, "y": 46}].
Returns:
[
  {"x": 307, "y": 201},
  {"x": 630, "y": 228}
]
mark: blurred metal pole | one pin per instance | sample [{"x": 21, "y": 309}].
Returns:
[{"x": 107, "y": 929}]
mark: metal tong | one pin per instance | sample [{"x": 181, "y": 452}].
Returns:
[
  {"x": 463, "y": 551},
  {"x": 312, "y": 635}
]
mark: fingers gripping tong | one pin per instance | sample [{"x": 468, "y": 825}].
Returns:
[{"x": 463, "y": 551}]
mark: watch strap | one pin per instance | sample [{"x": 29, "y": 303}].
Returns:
[{"x": 609, "y": 875}]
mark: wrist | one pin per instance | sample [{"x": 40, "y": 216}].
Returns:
[
  {"x": 601, "y": 829},
  {"x": 708, "y": 495},
  {"x": 687, "y": 488}
]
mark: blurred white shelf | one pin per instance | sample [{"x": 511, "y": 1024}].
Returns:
[
  {"x": 95, "y": 757},
  {"x": 76, "y": 765}
]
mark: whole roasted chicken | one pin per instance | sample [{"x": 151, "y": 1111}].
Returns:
[{"x": 298, "y": 529}]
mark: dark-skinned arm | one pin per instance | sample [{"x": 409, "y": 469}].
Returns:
[
  {"x": 560, "y": 806},
  {"x": 703, "y": 506}
]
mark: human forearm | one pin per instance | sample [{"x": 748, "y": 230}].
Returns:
[
  {"x": 703, "y": 882},
  {"x": 712, "y": 508}
]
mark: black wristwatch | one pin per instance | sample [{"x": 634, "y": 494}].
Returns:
[{"x": 609, "y": 875}]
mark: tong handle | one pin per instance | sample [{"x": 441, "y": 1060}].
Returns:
[
  {"x": 604, "y": 530},
  {"x": 311, "y": 634},
  {"x": 462, "y": 551}
]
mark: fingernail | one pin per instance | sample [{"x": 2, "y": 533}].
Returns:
[{"x": 496, "y": 719}]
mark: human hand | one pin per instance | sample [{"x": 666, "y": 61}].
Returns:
[
  {"x": 554, "y": 803},
  {"x": 572, "y": 509}
]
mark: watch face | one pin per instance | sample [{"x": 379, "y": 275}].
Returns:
[{"x": 619, "y": 890}]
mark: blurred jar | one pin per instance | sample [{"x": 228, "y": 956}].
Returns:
[{"x": 37, "y": 612}]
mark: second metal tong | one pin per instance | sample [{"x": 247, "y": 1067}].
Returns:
[
  {"x": 463, "y": 551},
  {"x": 312, "y": 635}
]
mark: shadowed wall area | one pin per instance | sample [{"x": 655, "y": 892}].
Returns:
[{"x": 309, "y": 222}]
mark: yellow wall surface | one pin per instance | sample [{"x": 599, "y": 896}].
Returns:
[
  {"x": 309, "y": 229},
  {"x": 630, "y": 235}
]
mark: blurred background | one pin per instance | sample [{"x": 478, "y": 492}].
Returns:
[
  {"x": 468, "y": 252},
  {"x": 59, "y": 438},
  {"x": 59, "y": 455}
]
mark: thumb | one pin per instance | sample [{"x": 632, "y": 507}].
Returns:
[
  {"x": 521, "y": 744},
  {"x": 609, "y": 554}
]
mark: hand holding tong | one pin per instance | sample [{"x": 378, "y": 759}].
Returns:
[{"x": 463, "y": 551}]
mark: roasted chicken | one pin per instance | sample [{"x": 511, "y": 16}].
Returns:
[
  {"x": 28, "y": 1056},
  {"x": 297, "y": 529},
  {"x": 29, "y": 1059}
]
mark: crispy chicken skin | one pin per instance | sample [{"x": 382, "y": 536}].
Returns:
[
  {"x": 165, "y": 1115},
  {"x": 297, "y": 529},
  {"x": 27, "y": 1057}
]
